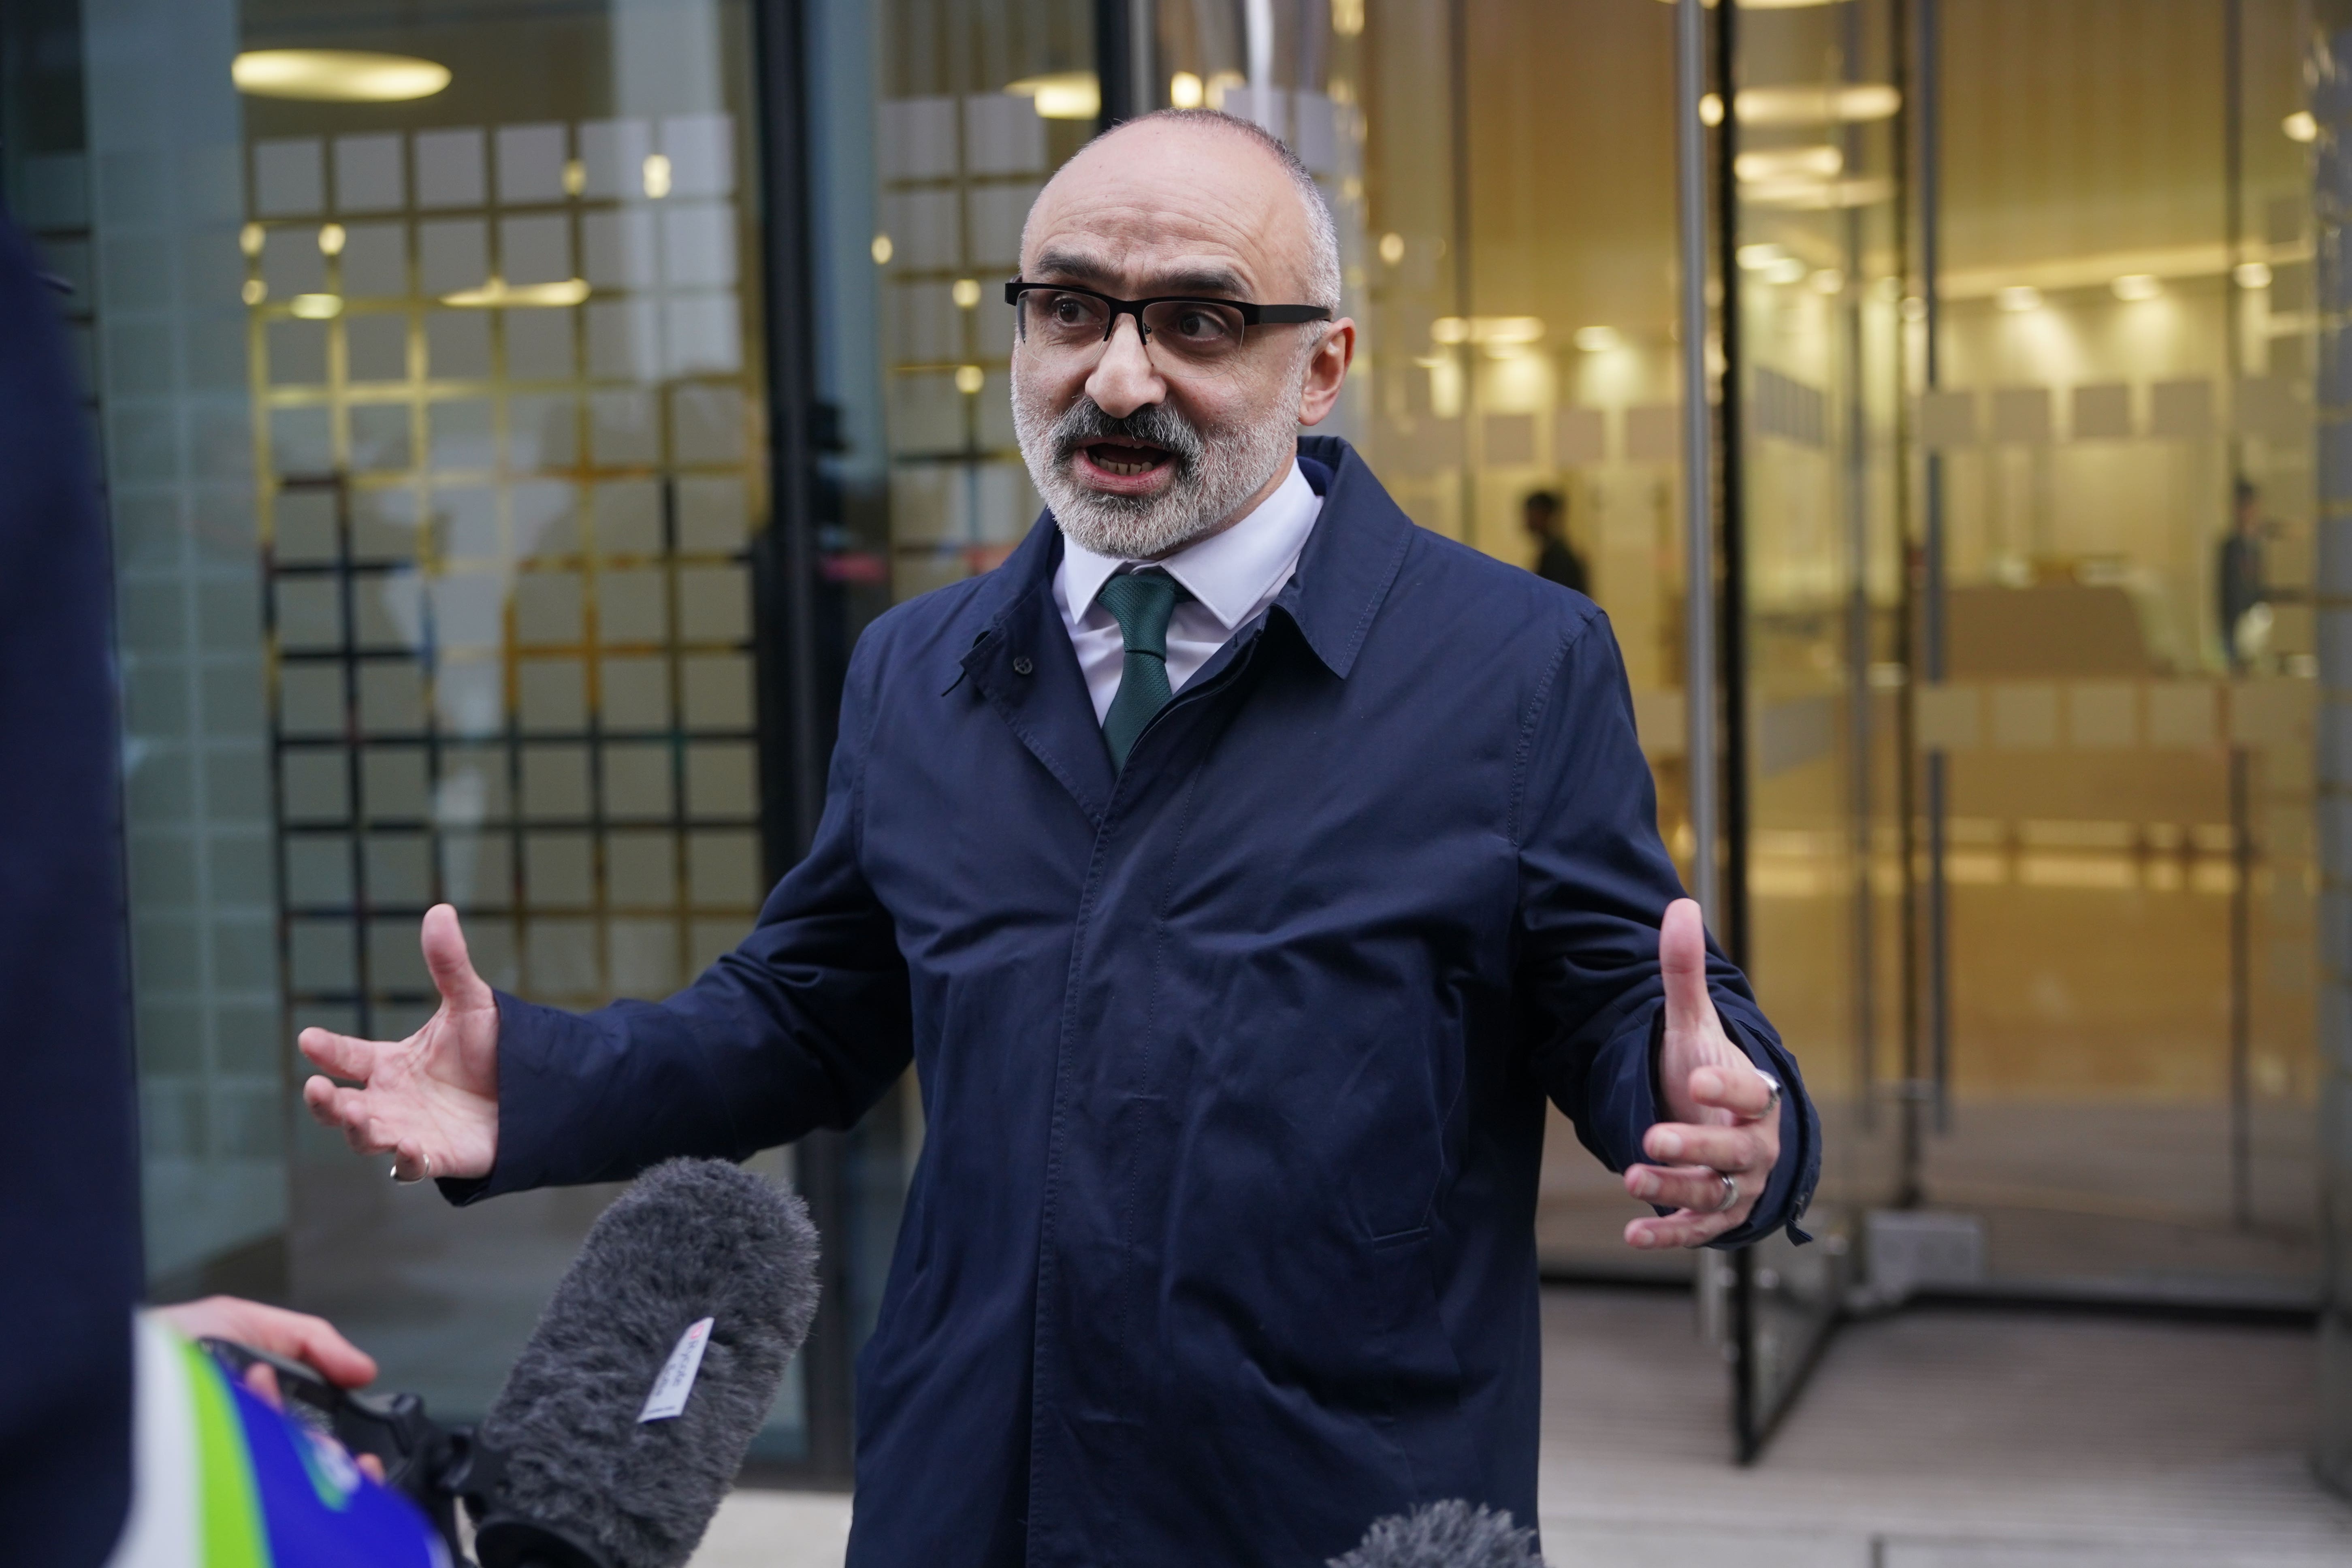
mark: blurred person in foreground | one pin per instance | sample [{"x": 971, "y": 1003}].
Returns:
[
  {"x": 70, "y": 1418},
  {"x": 1240, "y": 867},
  {"x": 1543, "y": 514}
]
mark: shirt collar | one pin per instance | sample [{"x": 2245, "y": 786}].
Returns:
[{"x": 1230, "y": 573}]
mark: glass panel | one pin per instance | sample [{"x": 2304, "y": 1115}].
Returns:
[
  {"x": 1817, "y": 264},
  {"x": 1552, "y": 371},
  {"x": 2118, "y": 480},
  {"x": 2325, "y": 306},
  {"x": 432, "y": 424}
]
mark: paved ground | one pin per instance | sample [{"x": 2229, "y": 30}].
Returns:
[{"x": 1935, "y": 1438}]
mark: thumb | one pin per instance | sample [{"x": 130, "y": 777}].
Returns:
[
  {"x": 444, "y": 955},
  {"x": 1682, "y": 962}
]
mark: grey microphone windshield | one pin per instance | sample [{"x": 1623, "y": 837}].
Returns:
[
  {"x": 1453, "y": 1534},
  {"x": 617, "y": 1447}
]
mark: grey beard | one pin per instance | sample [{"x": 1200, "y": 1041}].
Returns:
[{"x": 1215, "y": 472}]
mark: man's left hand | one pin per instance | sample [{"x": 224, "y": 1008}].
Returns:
[{"x": 1724, "y": 1135}]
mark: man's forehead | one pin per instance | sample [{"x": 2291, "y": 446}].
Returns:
[{"x": 1172, "y": 212}]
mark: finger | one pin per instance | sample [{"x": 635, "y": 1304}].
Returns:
[
  {"x": 1743, "y": 1092},
  {"x": 371, "y": 1468},
  {"x": 349, "y": 1110},
  {"x": 1681, "y": 962},
  {"x": 1684, "y": 1228},
  {"x": 341, "y": 1055},
  {"x": 408, "y": 1161},
  {"x": 261, "y": 1382},
  {"x": 316, "y": 1342},
  {"x": 444, "y": 942},
  {"x": 1695, "y": 1187},
  {"x": 1733, "y": 1149}
]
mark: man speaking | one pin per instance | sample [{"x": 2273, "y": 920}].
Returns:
[{"x": 1240, "y": 867}]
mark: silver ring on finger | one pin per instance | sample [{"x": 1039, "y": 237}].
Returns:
[
  {"x": 1771, "y": 1111},
  {"x": 410, "y": 1181},
  {"x": 1731, "y": 1192}
]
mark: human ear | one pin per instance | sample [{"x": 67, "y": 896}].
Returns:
[{"x": 1326, "y": 372}]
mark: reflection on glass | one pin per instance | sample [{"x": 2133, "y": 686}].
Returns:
[{"x": 432, "y": 393}]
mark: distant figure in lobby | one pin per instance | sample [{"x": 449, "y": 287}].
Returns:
[
  {"x": 1544, "y": 513},
  {"x": 2238, "y": 578}
]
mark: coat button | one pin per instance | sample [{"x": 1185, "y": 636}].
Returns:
[{"x": 1021, "y": 666}]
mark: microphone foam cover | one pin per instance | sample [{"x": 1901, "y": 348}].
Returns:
[
  {"x": 1453, "y": 1534},
  {"x": 689, "y": 1239}
]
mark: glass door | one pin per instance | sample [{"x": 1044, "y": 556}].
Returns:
[
  {"x": 1810, "y": 252},
  {"x": 2115, "y": 487}
]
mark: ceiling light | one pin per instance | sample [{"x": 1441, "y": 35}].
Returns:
[
  {"x": 1816, "y": 196},
  {"x": 2136, "y": 286},
  {"x": 571, "y": 291},
  {"x": 882, "y": 250},
  {"x": 1851, "y": 103},
  {"x": 1756, "y": 258},
  {"x": 1505, "y": 328},
  {"x": 2018, "y": 296},
  {"x": 1184, "y": 90},
  {"x": 1787, "y": 269},
  {"x": 1598, "y": 340},
  {"x": 1449, "y": 329},
  {"x": 316, "y": 306},
  {"x": 1064, "y": 95},
  {"x": 2251, "y": 274},
  {"x": 656, "y": 175},
  {"x": 1821, "y": 163},
  {"x": 1710, "y": 109},
  {"x": 966, "y": 292},
  {"x": 249, "y": 238},
  {"x": 336, "y": 76},
  {"x": 2300, "y": 126},
  {"x": 331, "y": 240},
  {"x": 1829, "y": 280},
  {"x": 256, "y": 291},
  {"x": 970, "y": 378},
  {"x": 1391, "y": 249}
]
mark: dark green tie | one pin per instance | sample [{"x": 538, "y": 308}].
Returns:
[{"x": 1141, "y": 602}]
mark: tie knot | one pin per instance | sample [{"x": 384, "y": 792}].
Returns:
[{"x": 1141, "y": 601}]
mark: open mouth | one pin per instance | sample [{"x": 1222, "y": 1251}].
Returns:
[{"x": 1124, "y": 459}]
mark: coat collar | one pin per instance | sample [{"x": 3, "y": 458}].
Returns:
[
  {"x": 1351, "y": 558},
  {"x": 1021, "y": 660}
]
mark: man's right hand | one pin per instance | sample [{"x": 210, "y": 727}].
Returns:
[{"x": 432, "y": 1100}]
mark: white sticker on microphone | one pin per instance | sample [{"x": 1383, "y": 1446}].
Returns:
[{"x": 677, "y": 1378}]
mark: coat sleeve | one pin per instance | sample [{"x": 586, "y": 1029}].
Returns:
[
  {"x": 1594, "y": 882},
  {"x": 805, "y": 1025}
]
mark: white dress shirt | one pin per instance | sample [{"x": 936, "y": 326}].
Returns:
[{"x": 1232, "y": 575}]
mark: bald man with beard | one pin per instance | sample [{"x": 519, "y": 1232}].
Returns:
[{"x": 1240, "y": 867}]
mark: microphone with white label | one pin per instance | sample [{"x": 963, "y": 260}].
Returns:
[
  {"x": 624, "y": 1420},
  {"x": 1454, "y": 1534}
]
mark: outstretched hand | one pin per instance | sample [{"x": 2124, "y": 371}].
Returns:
[
  {"x": 1722, "y": 1113},
  {"x": 432, "y": 1100}
]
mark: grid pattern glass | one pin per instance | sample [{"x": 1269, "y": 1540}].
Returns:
[{"x": 500, "y": 380}]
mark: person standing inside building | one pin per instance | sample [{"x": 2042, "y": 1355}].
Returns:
[
  {"x": 2238, "y": 578},
  {"x": 1545, "y": 516},
  {"x": 1240, "y": 867}
]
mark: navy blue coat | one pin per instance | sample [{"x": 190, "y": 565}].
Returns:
[{"x": 1221, "y": 1244}]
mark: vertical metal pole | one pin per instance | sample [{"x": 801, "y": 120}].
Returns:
[
  {"x": 1931, "y": 606},
  {"x": 792, "y": 720},
  {"x": 2330, "y": 74},
  {"x": 2241, "y": 887},
  {"x": 1698, "y": 456}
]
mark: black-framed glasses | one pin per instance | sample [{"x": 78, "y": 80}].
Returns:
[{"x": 1062, "y": 318}]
